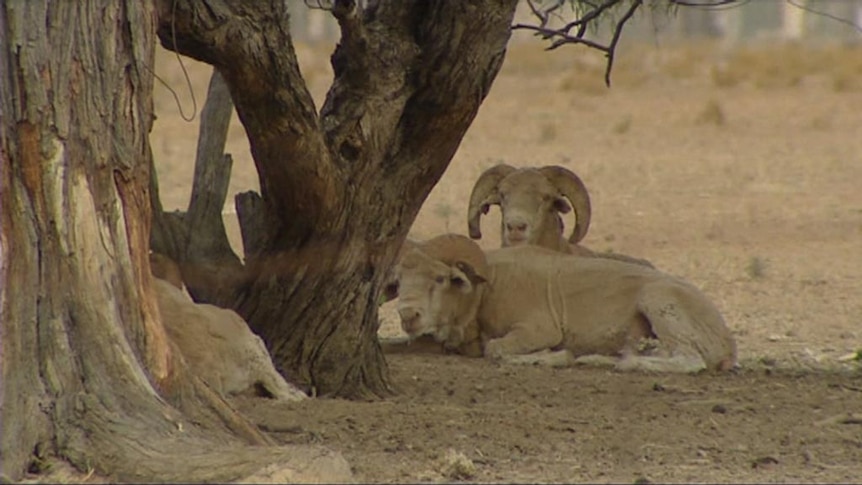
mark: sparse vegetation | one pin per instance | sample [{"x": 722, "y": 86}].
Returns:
[
  {"x": 547, "y": 132},
  {"x": 584, "y": 78},
  {"x": 658, "y": 200},
  {"x": 785, "y": 65},
  {"x": 756, "y": 268},
  {"x": 821, "y": 123},
  {"x": 445, "y": 212},
  {"x": 724, "y": 78},
  {"x": 711, "y": 114},
  {"x": 623, "y": 126}
]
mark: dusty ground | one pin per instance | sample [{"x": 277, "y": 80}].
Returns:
[{"x": 740, "y": 171}]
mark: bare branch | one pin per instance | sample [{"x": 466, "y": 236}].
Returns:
[
  {"x": 544, "y": 14},
  {"x": 250, "y": 44},
  {"x": 707, "y": 3},
  {"x": 319, "y": 4},
  {"x": 825, "y": 15},
  {"x": 562, "y": 36},
  {"x": 612, "y": 48},
  {"x": 590, "y": 16}
]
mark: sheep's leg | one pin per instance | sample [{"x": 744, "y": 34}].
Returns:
[
  {"x": 423, "y": 344},
  {"x": 562, "y": 358},
  {"x": 681, "y": 363},
  {"x": 690, "y": 329},
  {"x": 524, "y": 338},
  {"x": 263, "y": 372},
  {"x": 547, "y": 358},
  {"x": 597, "y": 360}
]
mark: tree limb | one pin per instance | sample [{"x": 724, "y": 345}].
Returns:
[
  {"x": 561, "y": 36},
  {"x": 251, "y": 45}
]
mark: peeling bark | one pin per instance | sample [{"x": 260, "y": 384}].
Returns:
[
  {"x": 87, "y": 372},
  {"x": 196, "y": 239}
]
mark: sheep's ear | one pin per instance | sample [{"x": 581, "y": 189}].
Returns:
[
  {"x": 390, "y": 292},
  {"x": 460, "y": 281},
  {"x": 561, "y": 205},
  {"x": 464, "y": 277}
]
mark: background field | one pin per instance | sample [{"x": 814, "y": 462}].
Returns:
[{"x": 737, "y": 169}]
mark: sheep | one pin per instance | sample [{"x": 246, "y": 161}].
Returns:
[
  {"x": 167, "y": 269},
  {"x": 519, "y": 300},
  {"x": 531, "y": 201},
  {"x": 216, "y": 343}
]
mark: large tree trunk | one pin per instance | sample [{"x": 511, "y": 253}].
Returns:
[
  {"x": 88, "y": 373},
  {"x": 344, "y": 185}
]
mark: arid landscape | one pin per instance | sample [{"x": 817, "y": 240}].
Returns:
[{"x": 738, "y": 169}]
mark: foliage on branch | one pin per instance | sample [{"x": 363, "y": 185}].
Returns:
[{"x": 580, "y": 17}]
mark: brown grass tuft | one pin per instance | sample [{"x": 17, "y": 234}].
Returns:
[{"x": 711, "y": 114}]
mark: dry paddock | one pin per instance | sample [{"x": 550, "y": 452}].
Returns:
[{"x": 737, "y": 169}]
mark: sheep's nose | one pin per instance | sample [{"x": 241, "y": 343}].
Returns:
[
  {"x": 408, "y": 314},
  {"x": 410, "y": 320}
]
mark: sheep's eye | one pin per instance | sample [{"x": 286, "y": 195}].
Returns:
[{"x": 439, "y": 280}]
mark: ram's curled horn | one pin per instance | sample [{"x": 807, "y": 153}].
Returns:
[
  {"x": 484, "y": 195},
  {"x": 571, "y": 186},
  {"x": 456, "y": 250}
]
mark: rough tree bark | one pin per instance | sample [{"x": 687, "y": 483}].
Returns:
[
  {"x": 88, "y": 373},
  {"x": 345, "y": 184},
  {"x": 196, "y": 239}
]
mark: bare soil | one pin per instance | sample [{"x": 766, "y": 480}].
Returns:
[{"x": 739, "y": 170}]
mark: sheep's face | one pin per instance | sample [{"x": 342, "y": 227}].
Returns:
[
  {"x": 431, "y": 297},
  {"x": 531, "y": 207}
]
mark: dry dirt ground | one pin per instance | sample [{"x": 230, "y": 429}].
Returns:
[{"x": 739, "y": 170}]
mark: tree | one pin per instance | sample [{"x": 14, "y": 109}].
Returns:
[
  {"x": 339, "y": 188},
  {"x": 87, "y": 371}
]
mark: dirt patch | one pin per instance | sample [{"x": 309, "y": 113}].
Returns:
[
  {"x": 528, "y": 424},
  {"x": 699, "y": 160}
]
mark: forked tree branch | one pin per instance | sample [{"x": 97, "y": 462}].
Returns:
[{"x": 561, "y": 36}]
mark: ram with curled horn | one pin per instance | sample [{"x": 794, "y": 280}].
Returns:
[
  {"x": 527, "y": 304},
  {"x": 531, "y": 202}
]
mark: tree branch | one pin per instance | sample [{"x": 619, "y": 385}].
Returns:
[
  {"x": 561, "y": 36},
  {"x": 250, "y": 44},
  {"x": 371, "y": 67},
  {"x": 449, "y": 85}
]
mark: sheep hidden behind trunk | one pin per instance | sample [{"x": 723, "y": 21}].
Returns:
[{"x": 219, "y": 347}]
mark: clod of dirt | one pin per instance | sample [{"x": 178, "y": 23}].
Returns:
[
  {"x": 764, "y": 462},
  {"x": 719, "y": 409},
  {"x": 456, "y": 466}
]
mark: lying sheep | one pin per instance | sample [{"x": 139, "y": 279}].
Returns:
[
  {"x": 531, "y": 201},
  {"x": 167, "y": 269},
  {"x": 218, "y": 346},
  {"x": 524, "y": 299}
]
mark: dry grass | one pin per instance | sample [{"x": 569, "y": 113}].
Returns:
[
  {"x": 756, "y": 267},
  {"x": 786, "y": 65},
  {"x": 711, "y": 114},
  {"x": 623, "y": 126}
]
